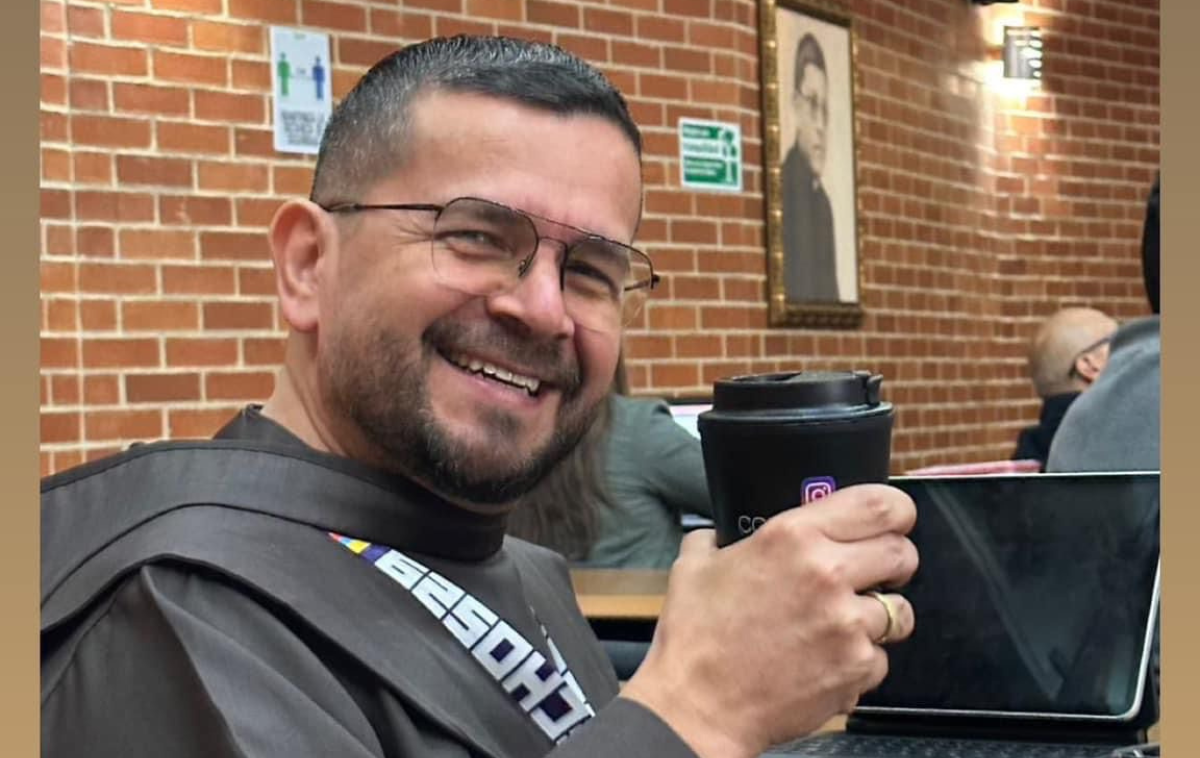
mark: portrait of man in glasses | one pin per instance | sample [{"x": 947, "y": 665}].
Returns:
[
  {"x": 331, "y": 575},
  {"x": 816, "y": 173}
]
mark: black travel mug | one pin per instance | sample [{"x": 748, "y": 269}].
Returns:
[{"x": 776, "y": 441}]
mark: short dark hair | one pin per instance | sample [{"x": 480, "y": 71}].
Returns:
[
  {"x": 366, "y": 135},
  {"x": 808, "y": 52}
]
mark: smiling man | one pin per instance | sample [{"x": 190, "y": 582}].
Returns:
[{"x": 330, "y": 575}]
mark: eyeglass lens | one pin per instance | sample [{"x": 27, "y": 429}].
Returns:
[{"x": 482, "y": 248}]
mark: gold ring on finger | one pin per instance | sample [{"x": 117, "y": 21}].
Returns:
[{"x": 891, "y": 616}]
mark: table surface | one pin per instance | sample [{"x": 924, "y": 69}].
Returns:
[{"x": 624, "y": 594}]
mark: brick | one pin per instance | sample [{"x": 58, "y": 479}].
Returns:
[
  {"x": 56, "y": 165},
  {"x": 259, "y": 143},
  {"x": 198, "y": 424},
  {"x": 92, "y": 168},
  {"x": 251, "y": 75},
  {"x": 53, "y": 89},
  {"x": 65, "y": 389},
  {"x": 59, "y": 352},
  {"x": 192, "y": 6},
  {"x": 55, "y": 204},
  {"x": 603, "y": 21},
  {"x": 60, "y": 314},
  {"x": 326, "y": 15},
  {"x": 113, "y": 206},
  {"x": 238, "y": 316},
  {"x": 134, "y": 425},
  {"x": 258, "y": 352},
  {"x": 57, "y": 277},
  {"x": 156, "y": 316},
  {"x": 200, "y": 352},
  {"x": 52, "y": 54},
  {"x": 117, "y": 279},
  {"x": 162, "y": 388},
  {"x": 233, "y": 177},
  {"x": 191, "y": 69},
  {"x": 389, "y": 23},
  {"x": 140, "y": 169},
  {"x": 106, "y": 131},
  {"x": 234, "y": 246},
  {"x": 660, "y": 28},
  {"x": 178, "y": 136},
  {"x": 195, "y": 210},
  {"x": 149, "y": 28},
  {"x": 229, "y": 107},
  {"x": 561, "y": 15},
  {"x": 52, "y": 17},
  {"x": 157, "y": 244},
  {"x": 256, "y": 281},
  {"x": 445, "y": 6},
  {"x": 53, "y": 127},
  {"x": 353, "y": 51},
  {"x": 197, "y": 280},
  {"x": 59, "y": 240},
  {"x": 498, "y": 9},
  {"x": 60, "y": 427},
  {"x": 88, "y": 95},
  {"x": 239, "y": 386},
  {"x": 98, "y": 315},
  {"x": 107, "y": 60},
  {"x": 253, "y": 211},
  {"x": 148, "y": 98},
  {"x": 229, "y": 38},
  {"x": 263, "y": 10},
  {"x": 85, "y": 22},
  {"x": 120, "y": 353},
  {"x": 291, "y": 180}
]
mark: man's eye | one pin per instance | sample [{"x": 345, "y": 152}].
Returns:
[
  {"x": 475, "y": 241},
  {"x": 590, "y": 280}
]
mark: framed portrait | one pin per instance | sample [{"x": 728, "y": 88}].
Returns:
[{"x": 809, "y": 150}]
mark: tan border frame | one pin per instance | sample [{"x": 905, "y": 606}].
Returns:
[{"x": 781, "y": 311}]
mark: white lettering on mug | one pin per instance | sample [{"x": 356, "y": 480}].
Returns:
[{"x": 748, "y": 524}]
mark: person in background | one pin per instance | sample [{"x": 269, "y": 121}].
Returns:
[
  {"x": 331, "y": 577},
  {"x": 617, "y": 500},
  {"x": 1065, "y": 357},
  {"x": 1115, "y": 426}
]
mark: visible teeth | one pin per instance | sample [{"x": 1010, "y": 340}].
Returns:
[{"x": 528, "y": 383}]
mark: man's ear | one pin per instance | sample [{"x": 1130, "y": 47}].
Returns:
[{"x": 302, "y": 236}]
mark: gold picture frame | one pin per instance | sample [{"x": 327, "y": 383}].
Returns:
[{"x": 810, "y": 146}]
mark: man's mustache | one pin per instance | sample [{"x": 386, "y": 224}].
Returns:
[{"x": 548, "y": 360}]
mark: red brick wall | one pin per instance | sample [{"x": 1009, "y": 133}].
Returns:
[{"x": 978, "y": 214}]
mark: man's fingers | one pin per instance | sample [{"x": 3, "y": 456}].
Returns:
[
  {"x": 698, "y": 542},
  {"x": 860, "y": 512}
]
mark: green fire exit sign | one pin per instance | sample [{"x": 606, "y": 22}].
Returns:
[{"x": 710, "y": 155}]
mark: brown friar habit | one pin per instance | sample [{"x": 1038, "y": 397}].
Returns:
[{"x": 194, "y": 604}]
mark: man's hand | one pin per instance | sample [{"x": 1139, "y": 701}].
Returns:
[{"x": 765, "y": 640}]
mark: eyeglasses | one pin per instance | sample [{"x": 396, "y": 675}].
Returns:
[
  {"x": 484, "y": 248},
  {"x": 1073, "y": 372}
]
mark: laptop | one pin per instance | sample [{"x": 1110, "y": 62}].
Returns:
[{"x": 1036, "y": 603}]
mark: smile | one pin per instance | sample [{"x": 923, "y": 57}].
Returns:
[{"x": 483, "y": 368}]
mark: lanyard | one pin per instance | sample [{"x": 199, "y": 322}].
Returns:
[{"x": 546, "y": 691}]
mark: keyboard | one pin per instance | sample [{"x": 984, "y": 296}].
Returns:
[{"x": 843, "y": 745}]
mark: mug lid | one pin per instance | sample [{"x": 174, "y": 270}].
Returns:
[{"x": 797, "y": 389}]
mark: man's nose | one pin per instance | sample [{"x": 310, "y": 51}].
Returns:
[{"x": 537, "y": 299}]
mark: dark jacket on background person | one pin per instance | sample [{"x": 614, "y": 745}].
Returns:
[
  {"x": 1033, "y": 443},
  {"x": 809, "y": 249}
]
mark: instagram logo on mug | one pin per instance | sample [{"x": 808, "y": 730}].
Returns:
[{"x": 816, "y": 488}]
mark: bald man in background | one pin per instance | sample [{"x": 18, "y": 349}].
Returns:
[{"x": 1066, "y": 355}]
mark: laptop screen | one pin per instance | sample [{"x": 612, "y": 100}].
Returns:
[{"x": 1035, "y": 597}]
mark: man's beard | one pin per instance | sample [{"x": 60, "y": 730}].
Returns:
[{"x": 377, "y": 381}]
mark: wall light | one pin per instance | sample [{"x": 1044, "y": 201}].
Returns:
[{"x": 1022, "y": 53}]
